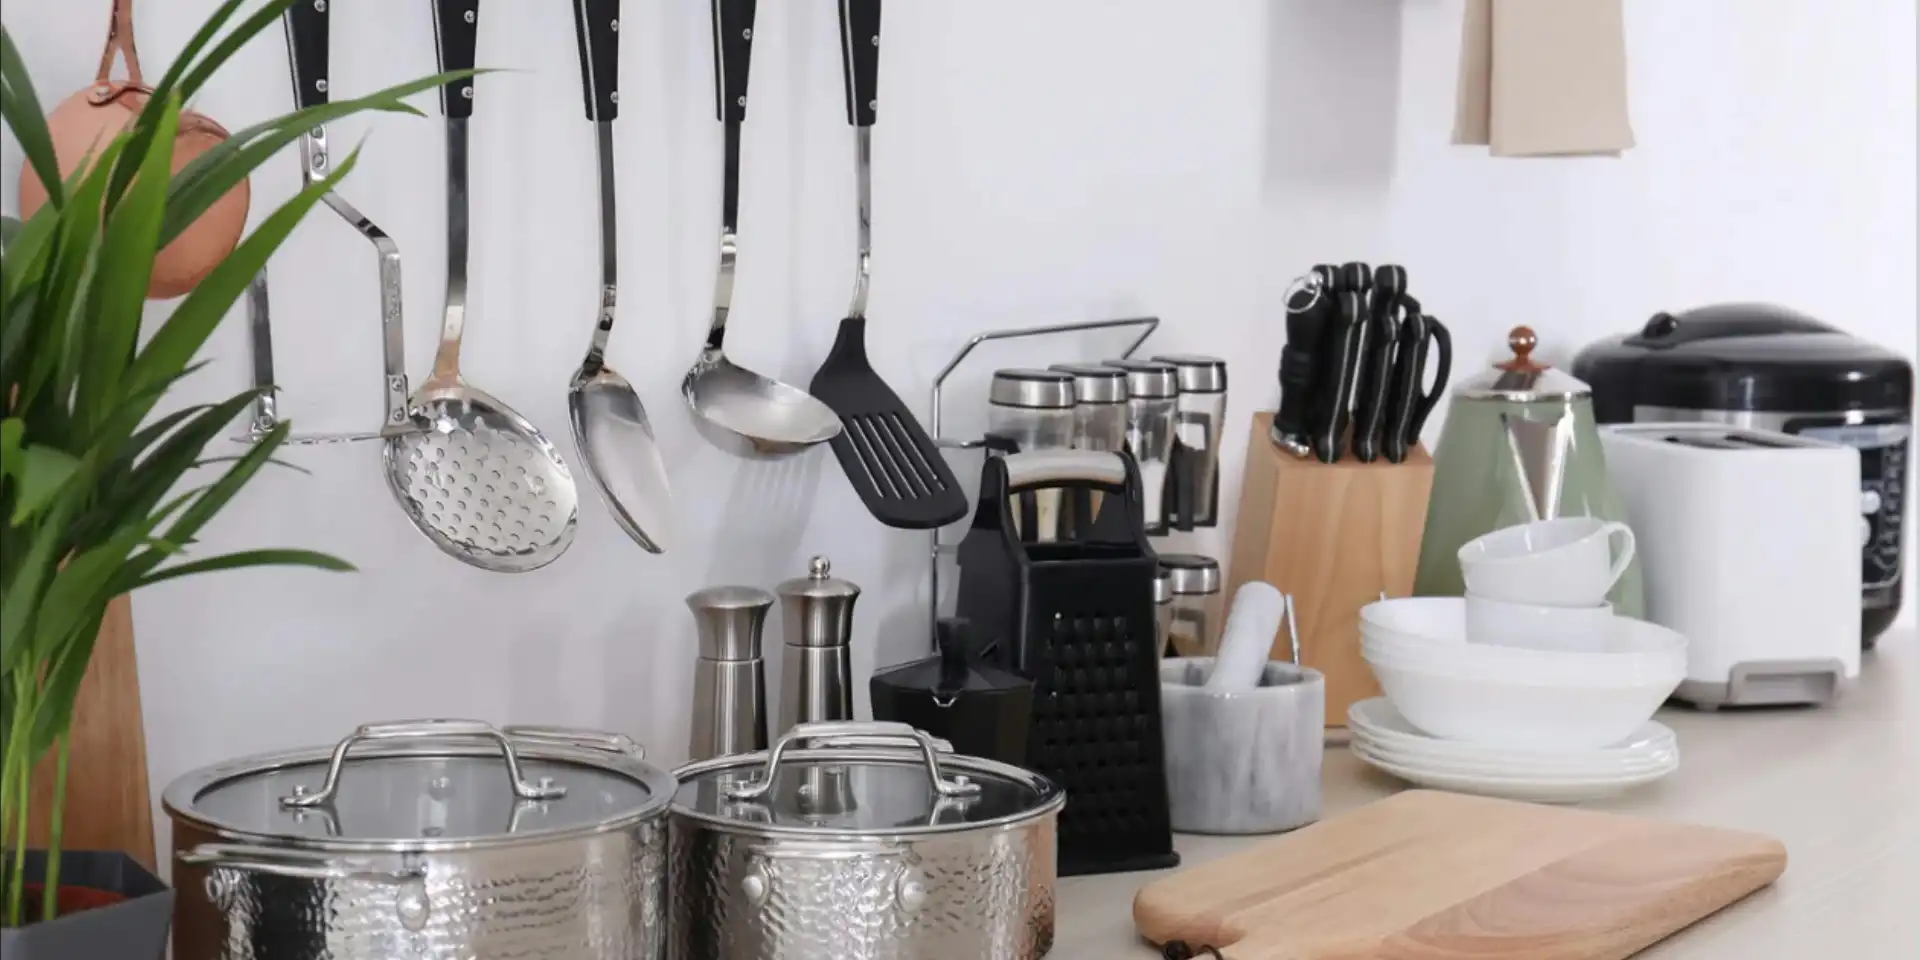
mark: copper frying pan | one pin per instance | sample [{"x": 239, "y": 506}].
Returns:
[{"x": 86, "y": 122}]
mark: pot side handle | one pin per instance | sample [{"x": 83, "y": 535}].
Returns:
[{"x": 296, "y": 864}]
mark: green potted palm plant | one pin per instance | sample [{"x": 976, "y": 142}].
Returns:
[{"x": 100, "y": 493}]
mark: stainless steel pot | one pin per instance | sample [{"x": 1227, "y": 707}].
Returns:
[
  {"x": 431, "y": 839},
  {"x": 861, "y": 841}
]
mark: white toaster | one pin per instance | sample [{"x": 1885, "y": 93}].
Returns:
[{"x": 1750, "y": 544}]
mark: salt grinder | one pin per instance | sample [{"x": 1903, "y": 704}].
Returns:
[
  {"x": 730, "y": 678},
  {"x": 816, "y": 672}
]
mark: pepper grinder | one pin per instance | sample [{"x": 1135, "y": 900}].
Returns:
[
  {"x": 730, "y": 678},
  {"x": 816, "y": 672}
]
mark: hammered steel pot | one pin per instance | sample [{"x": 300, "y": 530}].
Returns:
[
  {"x": 432, "y": 839},
  {"x": 861, "y": 841}
]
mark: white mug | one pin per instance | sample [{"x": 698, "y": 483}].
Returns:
[
  {"x": 1567, "y": 562},
  {"x": 1503, "y": 624}
]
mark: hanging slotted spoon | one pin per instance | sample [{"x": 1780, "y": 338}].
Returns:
[
  {"x": 888, "y": 457},
  {"x": 479, "y": 480},
  {"x": 610, "y": 426},
  {"x": 770, "y": 416}
]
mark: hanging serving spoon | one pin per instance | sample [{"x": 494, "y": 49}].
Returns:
[
  {"x": 770, "y": 416},
  {"x": 610, "y": 426}
]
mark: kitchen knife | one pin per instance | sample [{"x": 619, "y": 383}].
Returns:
[
  {"x": 1339, "y": 371},
  {"x": 1376, "y": 361},
  {"x": 1308, "y": 313}
]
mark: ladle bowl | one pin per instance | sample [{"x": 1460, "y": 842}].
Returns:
[{"x": 771, "y": 417}]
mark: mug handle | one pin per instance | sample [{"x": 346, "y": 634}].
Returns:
[{"x": 1626, "y": 550}]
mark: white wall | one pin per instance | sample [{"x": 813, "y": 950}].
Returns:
[{"x": 1035, "y": 163}]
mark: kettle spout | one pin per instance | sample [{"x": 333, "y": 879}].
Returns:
[{"x": 1539, "y": 449}]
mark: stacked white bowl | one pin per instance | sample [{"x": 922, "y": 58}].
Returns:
[{"x": 1531, "y": 677}]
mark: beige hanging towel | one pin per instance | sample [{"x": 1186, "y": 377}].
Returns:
[{"x": 1544, "y": 78}]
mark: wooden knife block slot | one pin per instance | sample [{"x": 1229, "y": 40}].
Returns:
[{"x": 1334, "y": 536}]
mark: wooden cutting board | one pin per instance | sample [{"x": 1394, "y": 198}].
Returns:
[
  {"x": 1425, "y": 875},
  {"x": 108, "y": 807}
]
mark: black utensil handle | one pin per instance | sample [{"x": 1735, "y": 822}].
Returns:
[
  {"x": 596, "y": 30},
  {"x": 1343, "y": 369},
  {"x": 1409, "y": 364},
  {"x": 307, "y": 52},
  {"x": 860, "y": 49},
  {"x": 1355, "y": 277},
  {"x": 1443, "y": 344},
  {"x": 456, "y": 35},
  {"x": 1389, "y": 279},
  {"x": 732, "y": 55}
]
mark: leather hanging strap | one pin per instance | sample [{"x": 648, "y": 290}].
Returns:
[{"x": 120, "y": 42}]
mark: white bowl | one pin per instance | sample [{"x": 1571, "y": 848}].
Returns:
[
  {"x": 1512, "y": 713},
  {"x": 1431, "y": 631}
]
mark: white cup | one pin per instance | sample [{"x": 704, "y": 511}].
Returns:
[
  {"x": 1504, "y": 624},
  {"x": 1569, "y": 562}
]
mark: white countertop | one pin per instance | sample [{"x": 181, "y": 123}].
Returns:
[{"x": 1840, "y": 786}]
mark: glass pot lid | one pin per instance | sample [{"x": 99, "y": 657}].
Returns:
[
  {"x": 1520, "y": 378},
  {"x": 429, "y": 784},
  {"x": 852, "y": 778}
]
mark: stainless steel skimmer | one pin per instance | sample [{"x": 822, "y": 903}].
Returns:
[
  {"x": 479, "y": 480},
  {"x": 610, "y": 427},
  {"x": 772, "y": 417}
]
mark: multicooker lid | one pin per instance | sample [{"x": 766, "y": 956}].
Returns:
[{"x": 1742, "y": 356}]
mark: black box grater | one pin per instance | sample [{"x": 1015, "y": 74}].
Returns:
[{"x": 1076, "y": 616}]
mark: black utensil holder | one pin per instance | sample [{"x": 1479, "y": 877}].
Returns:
[{"x": 1076, "y": 616}]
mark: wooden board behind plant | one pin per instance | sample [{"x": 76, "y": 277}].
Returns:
[{"x": 108, "y": 804}]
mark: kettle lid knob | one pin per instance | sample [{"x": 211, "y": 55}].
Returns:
[{"x": 1521, "y": 340}]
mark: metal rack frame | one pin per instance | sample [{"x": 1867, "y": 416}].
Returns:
[{"x": 951, "y": 443}]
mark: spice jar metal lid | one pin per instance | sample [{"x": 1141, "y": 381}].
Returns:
[
  {"x": 1191, "y": 573},
  {"x": 1521, "y": 379},
  {"x": 844, "y": 779},
  {"x": 1149, "y": 379},
  {"x": 1034, "y": 389},
  {"x": 428, "y": 785},
  {"x": 1197, "y": 373},
  {"x": 1095, "y": 382}
]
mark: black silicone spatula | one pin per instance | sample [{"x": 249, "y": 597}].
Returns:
[{"x": 888, "y": 457}]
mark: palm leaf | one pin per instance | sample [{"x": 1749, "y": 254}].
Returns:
[{"x": 21, "y": 107}]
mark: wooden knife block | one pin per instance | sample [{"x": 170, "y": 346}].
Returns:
[{"x": 1334, "y": 536}]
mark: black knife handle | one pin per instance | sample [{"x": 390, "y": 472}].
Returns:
[
  {"x": 732, "y": 55},
  {"x": 456, "y": 35},
  {"x": 1355, "y": 277},
  {"x": 1409, "y": 366},
  {"x": 1338, "y": 375},
  {"x": 307, "y": 52},
  {"x": 1376, "y": 359},
  {"x": 1443, "y": 344},
  {"x": 860, "y": 49},
  {"x": 596, "y": 30}
]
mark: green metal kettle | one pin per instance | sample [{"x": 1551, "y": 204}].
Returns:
[{"x": 1519, "y": 444}]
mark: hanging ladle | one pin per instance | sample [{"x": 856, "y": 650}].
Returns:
[
  {"x": 772, "y": 417},
  {"x": 609, "y": 425}
]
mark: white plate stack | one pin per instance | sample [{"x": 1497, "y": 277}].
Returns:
[
  {"x": 1529, "y": 687},
  {"x": 1384, "y": 739}
]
